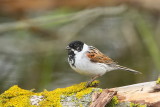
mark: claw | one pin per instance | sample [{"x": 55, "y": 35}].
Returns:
[
  {"x": 92, "y": 83},
  {"x": 88, "y": 84}
]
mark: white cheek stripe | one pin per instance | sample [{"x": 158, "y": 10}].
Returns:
[{"x": 85, "y": 48}]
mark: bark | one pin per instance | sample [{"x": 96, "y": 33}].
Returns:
[{"x": 142, "y": 94}]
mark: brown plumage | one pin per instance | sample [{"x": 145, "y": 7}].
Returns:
[{"x": 96, "y": 56}]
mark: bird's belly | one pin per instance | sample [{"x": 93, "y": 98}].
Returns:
[{"x": 91, "y": 68}]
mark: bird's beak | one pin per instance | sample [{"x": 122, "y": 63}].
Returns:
[{"x": 68, "y": 48}]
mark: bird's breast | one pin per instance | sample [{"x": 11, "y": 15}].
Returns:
[{"x": 83, "y": 65}]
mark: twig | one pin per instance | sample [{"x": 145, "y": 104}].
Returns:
[
  {"x": 45, "y": 20},
  {"x": 103, "y": 99}
]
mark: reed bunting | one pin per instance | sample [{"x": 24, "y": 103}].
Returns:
[{"x": 88, "y": 60}]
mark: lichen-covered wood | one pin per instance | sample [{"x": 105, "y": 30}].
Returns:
[
  {"x": 142, "y": 94},
  {"x": 75, "y": 95},
  {"x": 137, "y": 95}
]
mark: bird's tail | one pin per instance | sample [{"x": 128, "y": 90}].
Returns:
[{"x": 127, "y": 69}]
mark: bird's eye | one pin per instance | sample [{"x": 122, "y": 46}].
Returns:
[{"x": 78, "y": 49}]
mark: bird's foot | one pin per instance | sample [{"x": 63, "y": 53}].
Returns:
[{"x": 92, "y": 83}]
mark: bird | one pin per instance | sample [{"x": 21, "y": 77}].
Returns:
[{"x": 88, "y": 60}]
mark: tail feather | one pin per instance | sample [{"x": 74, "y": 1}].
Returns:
[{"x": 127, "y": 69}]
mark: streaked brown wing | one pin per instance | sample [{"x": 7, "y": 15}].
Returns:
[{"x": 96, "y": 56}]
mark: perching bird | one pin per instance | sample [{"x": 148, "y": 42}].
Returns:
[{"x": 88, "y": 60}]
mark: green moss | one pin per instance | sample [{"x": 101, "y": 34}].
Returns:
[
  {"x": 137, "y": 105},
  {"x": 158, "y": 81},
  {"x": 17, "y": 97},
  {"x": 113, "y": 102}
]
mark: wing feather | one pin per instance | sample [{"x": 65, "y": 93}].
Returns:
[{"x": 96, "y": 56}]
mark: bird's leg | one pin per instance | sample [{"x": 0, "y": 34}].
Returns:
[{"x": 92, "y": 79}]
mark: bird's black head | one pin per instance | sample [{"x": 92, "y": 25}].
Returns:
[{"x": 75, "y": 45}]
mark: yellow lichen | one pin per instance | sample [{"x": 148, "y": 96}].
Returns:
[
  {"x": 158, "y": 81},
  {"x": 19, "y": 101},
  {"x": 137, "y": 105},
  {"x": 17, "y": 97},
  {"x": 80, "y": 94},
  {"x": 113, "y": 102},
  {"x": 94, "y": 83},
  {"x": 80, "y": 89},
  {"x": 15, "y": 91}
]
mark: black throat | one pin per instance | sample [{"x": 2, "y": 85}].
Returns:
[{"x": 71, "y": 58}]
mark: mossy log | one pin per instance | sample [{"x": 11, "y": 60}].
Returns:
[{"x": 137, "y": 95}]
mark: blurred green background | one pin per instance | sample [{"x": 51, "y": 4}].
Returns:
[{"x": 34, "y": 34}]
